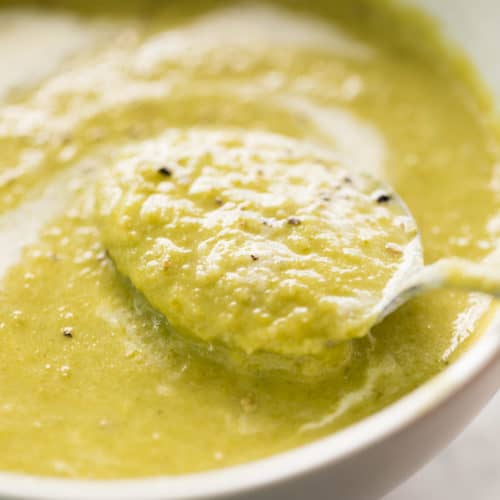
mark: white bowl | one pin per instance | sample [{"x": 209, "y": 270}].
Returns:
[{"x": 370, "y": 458}]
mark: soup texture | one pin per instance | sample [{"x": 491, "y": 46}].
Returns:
[{"x": 94, "y": 382}]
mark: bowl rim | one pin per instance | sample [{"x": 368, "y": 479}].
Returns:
[{"x": 325, "y": 452}]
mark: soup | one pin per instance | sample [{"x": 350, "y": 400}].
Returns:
[{"x": 94, "y": 382}]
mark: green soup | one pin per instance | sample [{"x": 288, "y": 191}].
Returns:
[{"x": 94, "y": 383}]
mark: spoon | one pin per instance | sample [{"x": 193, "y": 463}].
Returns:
[
  {"x": 452, "y": 273},
  {"x": 414, "y": 278},
  {"x": 265, "y": 252}
]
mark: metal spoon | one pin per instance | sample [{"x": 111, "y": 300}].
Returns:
[
  {"x": 413, "y": 278},
  {"x": 309, "y": 255}
]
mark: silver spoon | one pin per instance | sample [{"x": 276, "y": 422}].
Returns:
[
  {"x": 275, "y": 255},
  {"x": 414, "y": 278}
]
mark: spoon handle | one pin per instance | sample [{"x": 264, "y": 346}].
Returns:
[
  {"x": 460, "y": 274},
  {"x": 453, "y": 273}
]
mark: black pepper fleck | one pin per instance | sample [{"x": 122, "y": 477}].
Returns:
[
  {"x": 294, "y": 221},
  {"x": 384, "y": 198},
  {"x": 218, "y": 201},
  {"x": 67, "y": 331},
  {"x": 254, "y": 257},
  {"x": 165, "y": 171},
  {"x": 347, "y": 180}
]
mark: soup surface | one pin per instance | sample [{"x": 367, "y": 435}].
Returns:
[{"x": 93, "y": 381}]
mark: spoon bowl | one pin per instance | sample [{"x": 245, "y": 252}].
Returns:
[{"x": 265, "y": 251}]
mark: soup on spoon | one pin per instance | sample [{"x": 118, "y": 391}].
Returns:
[{"x": 259, "y": 249}]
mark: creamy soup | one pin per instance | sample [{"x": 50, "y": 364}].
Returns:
[
  {"x": 94, "y": 382},
  {"x": 260, "y": 249}
]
